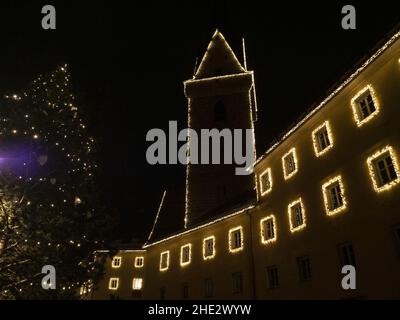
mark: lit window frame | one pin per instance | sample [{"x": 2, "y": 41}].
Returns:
[
  {"x": 137, "y": 284},
  {"x": 230, "y": 240},
  {"x": 356, "y": 108},
  {"x": 115, "y": 259},
  {"x": 138, "y": 259},
  {"x": 269, "y": 173},
  {"x": 303, "y": 212},
  {"x": 338, "y": 179},
  {"x": 111, "y": 281},
  {"x": 185, "y": 263},
  {"x": 205, "y": 248},
  {"x": 316, "y": 145},
  {"x": 262, "y": 231},
  {"x": 372, "y": 169},
  {"x": 161, "y": 260},
  {"x": 291, "y": 174}
]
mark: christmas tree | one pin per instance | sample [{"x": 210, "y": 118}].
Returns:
[{"x": 50, "y": 213}]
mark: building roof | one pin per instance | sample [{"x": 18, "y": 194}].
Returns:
[
  {"x": 171, "y": 225},
  {"x": 337, "y": 88},
  {"x": 218, "y": 60}
]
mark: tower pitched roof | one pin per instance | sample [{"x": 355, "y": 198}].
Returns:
[{"x": 219, "y": 59}]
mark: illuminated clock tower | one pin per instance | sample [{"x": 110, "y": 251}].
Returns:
[{"x": 220, "y": 95}]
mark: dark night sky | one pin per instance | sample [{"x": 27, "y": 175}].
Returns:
[{"x": 128, "y": 63}]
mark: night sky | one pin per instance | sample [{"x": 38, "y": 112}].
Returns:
[{"x": 128, "y": 62}]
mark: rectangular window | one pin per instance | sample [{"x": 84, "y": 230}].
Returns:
[
  {"x": 163, "y": 293},
  {"x": 209, "y": 248},
  {"x": 237, "y": 282},
  {"x": 185, "y": 291},
  {"x": 164, "y": 261},
  {"x": 186, "y": 253},
  {"x": 297, "y": 218},
  {"x": 333, "y": 193},
  {"x": 322, "y": 139},
  {"x": 289, "y": 164},
  {"x": 113, "y": 284},
  {"x": 139, "y": 262},
  {"x": 303, "y": 264},
  {"x": 236, "y": 239},
  {"x": 266, "y": 182},
  {"x": 116, "y": 262},
  {"x": 268, "y": 231},
  {"x": 137, "y": 283},
  {"x": 272, "y": 277},
  {"x": 346, "y": 254},
  {"x": 383, "y": 169},
  {"x": 365, "y": 105},
  {"x": 209, "y": 287}
]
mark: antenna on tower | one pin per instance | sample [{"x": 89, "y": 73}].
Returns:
[
  {"x": 156, "y": 219},
  {"x": 244, "y": 54},
  {"x": 195, "y": 66}
]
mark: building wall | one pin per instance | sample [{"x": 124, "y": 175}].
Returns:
[
  {"x": 370, "y": 216},
  {"x": 212, "y": 186},
  {"x": 125, "y": 273},
  {"x": 220, "y": 268},
  {"x": 367, "y": 222}
]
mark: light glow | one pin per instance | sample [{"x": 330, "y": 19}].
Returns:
[
  {"x": 268, "y": 173},
  {"x": 166, "y": 266},
  {"x": 372, "y": 169},
  {"x": 200, "y": 227},
  {"x": 286, "y": 174},
  {"x": 189, "y": 258},
  {"x": 116, "y": 262},
  {"x": 210, "y": 45},
  {"x": 231, "y": 239},
  {"x": 205, "y": 241},
  {"x": 263, "y": 231},
  {"x": 317, "y": 150},
  {"x": 333, "y": 94},
  {"x": 137, "y": 283},
  {"x": 356, "y": 111},
  {"x": 303, "y": 213},
  {"x": 325, "y": 191},
  {"x": 139, "y": 262},
  {"x": 113, "y": 284}
]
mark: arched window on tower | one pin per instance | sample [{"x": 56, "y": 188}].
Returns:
[{"x": 219, "y": 112}]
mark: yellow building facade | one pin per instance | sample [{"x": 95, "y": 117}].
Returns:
[{"x": 328, "y": 195}]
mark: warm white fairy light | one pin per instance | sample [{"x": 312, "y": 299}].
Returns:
[
  {"x": 231, "y": 239},
  {"x": 326, "y": 193},
  {"x": 263, "y": 231},
  {"x": 199, "y": 227},
  {"x": 333, "y": 94},
  {"x": 164, "y": 267},
  {"x": 206, "y": 241},
  {"x": 268, "y": 175},
  {"x": 356, "y": 109},
  {"x": 293, "y": 228},
  {"x": 116, "y": 262},
  {"x": 186, "y": 259},
  {"x": 288, "y": 175},
  {"x": 113, "y": 284},
  {"x": 373, "y": 170},
  {"x": 210, "y": 46},
  {"x": 137, "y": 284},
  {"x": 139, "y": 262},
  {"x": 157, "y": 215},
  {"x": 318, "y": 151}
]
